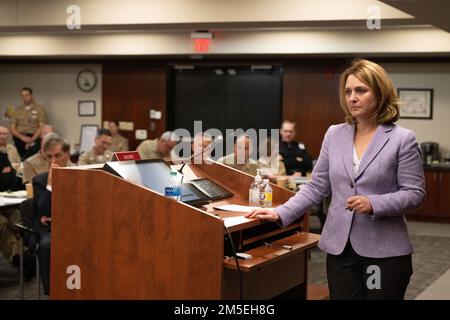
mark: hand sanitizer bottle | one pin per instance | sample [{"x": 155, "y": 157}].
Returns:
[{"x": 254, "y": 190}]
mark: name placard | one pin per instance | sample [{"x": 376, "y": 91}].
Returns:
[{"x": 126, "y": 156}]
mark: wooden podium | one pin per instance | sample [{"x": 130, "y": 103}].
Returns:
[{"x": 128, "y": 242}]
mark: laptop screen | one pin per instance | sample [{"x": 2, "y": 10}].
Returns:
[{"x": 153, "y": 174}]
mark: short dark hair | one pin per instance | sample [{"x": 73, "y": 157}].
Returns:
[
  {"x": 104, "y": 132},
  {"x": 27, "y": 89},
  {"x": 52, "y": 141},
  {"x": 116, "y": 122}
]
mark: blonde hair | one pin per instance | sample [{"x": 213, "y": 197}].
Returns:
[{"x": 374, "y": 76}]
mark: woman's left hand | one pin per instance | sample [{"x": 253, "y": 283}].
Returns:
[{"x": 359, "y": 204}]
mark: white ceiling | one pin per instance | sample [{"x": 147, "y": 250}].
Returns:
[
  {"x": 48, "y": 15},
  {"x": 162, "y": 27},
  {"x": 433, "y": 12}
]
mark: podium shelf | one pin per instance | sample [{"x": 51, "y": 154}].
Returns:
[{"x": 274, "y": 251}]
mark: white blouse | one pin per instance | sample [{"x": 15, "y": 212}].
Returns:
[{"x": 356, "y": 161}]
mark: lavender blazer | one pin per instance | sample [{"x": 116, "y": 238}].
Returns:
[{"x": 390, "y": 175}]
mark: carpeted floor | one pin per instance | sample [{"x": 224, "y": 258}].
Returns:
[{"x": 431, "y": 259}]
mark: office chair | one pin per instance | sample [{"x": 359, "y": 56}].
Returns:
[
  {"x": 23, "y": 230},
  {"x": 30, "y": 238}
]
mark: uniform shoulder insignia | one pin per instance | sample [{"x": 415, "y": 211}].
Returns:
[{"x": 301, "y": 146}]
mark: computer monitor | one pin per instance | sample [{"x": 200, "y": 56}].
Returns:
[{"x": 154, "y": 175}]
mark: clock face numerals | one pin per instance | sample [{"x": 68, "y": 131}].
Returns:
[{"x": 86, "y": 80}]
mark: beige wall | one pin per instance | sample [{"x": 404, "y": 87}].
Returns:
[
  {"x": 434, "y": 76},
  {"x": 55, "y": 87},
  {"x": 420, "y": 40}
]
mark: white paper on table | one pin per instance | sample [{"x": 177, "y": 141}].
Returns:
[
  {"x": 232, "y": 221},
  {"x": 9, "y": 201},
  {"x": 14, "y": 194},
  {"x": 235, "y": 208}
]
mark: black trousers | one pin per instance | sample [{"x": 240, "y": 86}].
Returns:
[
  {"x": 353, "y": 277},
  {"x": 44, "y": 261},
  {"x": 26, "y": 153}
]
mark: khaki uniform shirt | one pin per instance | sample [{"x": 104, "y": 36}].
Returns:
[
  {"x": 13, "y": 155},
  {"x": 271, "y": 166},
  {"x": 119, "y": 143},
  {"x": 249, "y": 167},
  {"x": 33, "y": 166},
  {"x": 28, "y": 118},
  {"x": 89, "y": 157},
  {"x": 148, "y": 149}
]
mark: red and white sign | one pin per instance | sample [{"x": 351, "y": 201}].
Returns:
[{"x": 126, "y": 156}]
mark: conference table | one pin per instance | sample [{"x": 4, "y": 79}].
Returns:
[{"x": 10, "y": 200}]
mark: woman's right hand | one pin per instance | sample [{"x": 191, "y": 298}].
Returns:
[{"x": 263, "y": 214}]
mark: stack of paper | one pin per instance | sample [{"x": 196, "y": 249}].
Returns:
[
  {"x": 235, "y": 208},
  {"x": 14, "y": 194}
]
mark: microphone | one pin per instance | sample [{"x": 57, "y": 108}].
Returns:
[{"x": 208, "y": 148}]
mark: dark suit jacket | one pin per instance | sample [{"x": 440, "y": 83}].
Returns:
[
  {"x": 42, "y": 199},
  {"x": 290, "y": 152},
  {"x": 8, "y": 181}
]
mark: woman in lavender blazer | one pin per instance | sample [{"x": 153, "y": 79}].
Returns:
[{"x": 373, "y": 170}]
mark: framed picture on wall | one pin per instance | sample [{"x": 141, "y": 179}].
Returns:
[
  {"x": 86, "y": 108},
  {"x": 416, "y": 103}
]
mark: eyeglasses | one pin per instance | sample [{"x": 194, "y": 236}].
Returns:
[{"x": 106, "y": 143}]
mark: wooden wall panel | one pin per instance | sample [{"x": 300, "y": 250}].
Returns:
[
  {"x": 310, "y": 95},
  {"x": 311, "y": 99},
  {"x": 130, "y": 91}
]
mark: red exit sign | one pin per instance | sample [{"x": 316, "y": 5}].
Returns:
[{"x": 202, "y": 45}]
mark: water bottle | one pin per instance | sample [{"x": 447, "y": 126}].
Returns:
[
  {"x": 173, "y": 187},
  {"x": 266, "y": 194},
  {"x": 254, "y": 190}
]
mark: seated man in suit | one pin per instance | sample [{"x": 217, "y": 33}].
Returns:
[
  {"x": 59, "y": 155},
  {"x": 294, "y": 155},
  {"x": 37, "y": 163}
]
